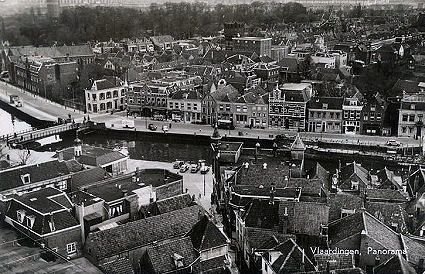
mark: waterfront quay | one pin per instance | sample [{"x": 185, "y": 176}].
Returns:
[{"x": 45, "y": 112}]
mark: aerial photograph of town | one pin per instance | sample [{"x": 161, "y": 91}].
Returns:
[{"x": 212, "y": 137}]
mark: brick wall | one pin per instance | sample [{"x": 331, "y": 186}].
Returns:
[{"x": 169, "y": 190}]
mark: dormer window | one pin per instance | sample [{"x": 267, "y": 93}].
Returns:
[
  {"x": 30, "y": 221},
  {"x": 324, "y": 230},
  {"x": 26, "y": 179},
  {"x": 178, "y": 260},
  {"x": 52, "y": 226},
  {"x": 20, "y": 215},
  {"x": 354, "y": 185}
]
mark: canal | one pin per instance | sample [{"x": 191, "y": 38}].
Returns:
[{"x": 162, "y": 149}]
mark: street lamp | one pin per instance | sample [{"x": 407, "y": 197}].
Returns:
[{"x": 257, "y": 147}]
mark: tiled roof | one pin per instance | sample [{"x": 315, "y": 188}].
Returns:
[
  {"x": 226, "y": 94},
  {"x": 161, "y": 257},
  {"x": 390, "y": 214},
  {"x": 261, "y": 239},
  {"x": 353, "y": 169},
  {"x": 205, "y": 235},
  {"x": 415, "y": 249},
  {"x": 12, "y": 178},
  {"x": 364, "y": 221},
  {"x": 44, "y": 210},
  {"x": 93, "y": 156},
  {"x": 342, "y": 200},
  {"x": 408, "y": 86},
  {"x": 334, "y": 103},
  {"x": 356, "y": 270},
  {"x": 173, "y": 203},
  {"x": 256, "y": 175},
  {"x": 143, "y": 232},
  {"x": 304, "y": 217},
  {"x": 336, "y": 261},
  {"x": 107, "y": 83},
  {"x": 73, "y": 166},
  {"x": 290, "y": 63},
  {"x": 396, "y": 264},
  {"x": 162, "y": 39},
  {"x": 187, "y": 95},
  {"x": 212, "y": 266},
  {"x": 390, "y": 195},
  {"x": 118, "y": 266},
  {"x": 291, "y": 259},
  {"x": 88, "y": 176},
  {"x": 262, "y": 214}
]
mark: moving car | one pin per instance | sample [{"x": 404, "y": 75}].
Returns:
[
  {"x": 184, "y": 168},
  {"x": 152, "y": 127}
]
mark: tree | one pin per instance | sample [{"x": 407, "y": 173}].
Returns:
[{"x": 24, "y": 157}]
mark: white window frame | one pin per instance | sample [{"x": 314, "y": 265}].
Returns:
[{"x": 71, "y": 248}]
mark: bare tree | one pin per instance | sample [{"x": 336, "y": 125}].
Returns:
[{"x": 24, "y": 157}]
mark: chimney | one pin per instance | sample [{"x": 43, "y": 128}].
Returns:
[{"x": 377, "y": 260}]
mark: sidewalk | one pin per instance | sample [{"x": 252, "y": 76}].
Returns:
[{"x": 37, "y": 106}]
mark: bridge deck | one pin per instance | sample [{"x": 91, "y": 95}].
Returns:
[{"x": 32, "y": 135}]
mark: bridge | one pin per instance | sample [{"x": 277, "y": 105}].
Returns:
[{"x": 35, "y": 134}]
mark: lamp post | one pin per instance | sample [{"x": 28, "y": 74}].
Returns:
[{"x": 257, "y": 147}]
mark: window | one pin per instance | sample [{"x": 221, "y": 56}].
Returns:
[
  {"x": 403, "y": 129},
  {"x": 365, "y": 116},
  {"x": 412, "y": 106},
  {"x": 102, "y": 96},
  {"x": 71, "y": 248},
  {"x": 30, "y": 221},
  {"x": 405, "y": 117},
  {"x": 354, "y": 185},
  {"x": 26, "y": 179},
  {"x": 108, "y": 95},
  {"x": 20, "y": 215},
  {"x": 412, "y": 118},
  {"x": 323, "y": 230}
]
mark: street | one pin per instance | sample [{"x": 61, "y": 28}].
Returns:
[{"x": 46, "y": 110}]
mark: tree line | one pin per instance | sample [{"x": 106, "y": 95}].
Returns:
[{"x": 181, "y": 20}]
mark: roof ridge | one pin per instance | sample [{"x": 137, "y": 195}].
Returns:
[{"x": 287, "y": 256}]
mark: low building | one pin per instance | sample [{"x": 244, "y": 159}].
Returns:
[
  {"x": 22, "y": 179},
  {"x": 44, "y": 216},
  {"x": 113, "y": 162},
  {"x": 325, "y": 114},
  {"x": 106, "y": 95}
]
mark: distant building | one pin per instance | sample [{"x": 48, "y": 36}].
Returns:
[{"x": 261, "y": 46}]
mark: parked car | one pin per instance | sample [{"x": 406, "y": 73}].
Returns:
[
  {"x": 152, "y": 127},
  {"x": 184, "y": 168},
  {"x": 178, "y": 164},
  {"x": 393, "y": 143},
  {"x": 158, "y": 117},
  {"x": 205, "y": 169},
  {"x": 194, "y": 168},
  {"x": 165, "y": 128}
]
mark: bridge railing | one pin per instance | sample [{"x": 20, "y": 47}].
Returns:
[{"x": 40, "y": 133}]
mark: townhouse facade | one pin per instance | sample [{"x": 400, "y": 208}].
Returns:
[
  {"x": 411, "y": 114},
  {"x": 185, "y": 106},
  {"x": 106, "y": 95},
  {"x": 288, "y": 106},
  {"x": 372, "y": 118},
  {"x": 351, "y": 109},
  {"x": 325, "y": 114}
]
